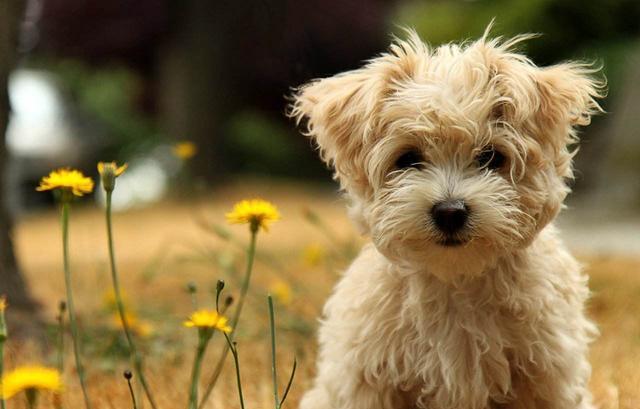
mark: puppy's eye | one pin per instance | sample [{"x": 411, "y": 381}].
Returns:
[
  {"x": 410, "y": 159},
  {"x": 490, "y": 159}
]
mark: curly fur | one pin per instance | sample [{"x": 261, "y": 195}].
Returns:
[{"x": 497, "y": 322}]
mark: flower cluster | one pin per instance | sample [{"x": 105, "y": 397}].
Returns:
[{"x": 258, "y": 214}]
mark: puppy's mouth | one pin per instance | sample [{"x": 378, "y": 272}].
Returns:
[{"x": 452, "y": 242}]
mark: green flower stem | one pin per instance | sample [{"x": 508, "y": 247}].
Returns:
[
  {"x": 278, "y": 401},
  {"x": 234, "y": 352},
  {"x": 288, "y": 388},
  {"x": 3, "y": 337},
  {"x": 2, "y": 403},
  {"x": 72, "y": 311},
  {"x": 133, "y": 395},
  {"x": 194, "y": 301},
  {"x": 140, "y": 392},
  {"x": 274, "y": 373},
  {"x": 204, "y": 335},
  {"x": 133, "y": 351},
  {"x": 60, "y": 345},
  {"x": 251, "y": 252},
  {"x": 32, "y": 397}
]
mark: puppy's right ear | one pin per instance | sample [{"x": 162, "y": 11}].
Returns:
[{"x": 339, "y": 115}]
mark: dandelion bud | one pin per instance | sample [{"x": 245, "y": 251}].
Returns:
[
  {"x": 62, "y": 306},
  {"x": 311, "y": 216},
  {"x": 221, "y": 232},
  {"x": 3, "y": 325},
  {"x": 192, "y": 287},
  {"x": 219, "y": 286},
  {"x": 109, "y": 171},
  {"x": 127, "y": 375},
  {"x": 228, "y": 301}
]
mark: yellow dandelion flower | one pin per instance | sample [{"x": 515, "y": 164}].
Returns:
[
  {"x": 110, "y": 301},
  {"x": 256, "y": 212},
  {"x": 69, "y": 180},
  {"x": 3, "y": 303},
  {"x": 185, "y": 150},
  {"x": 140, "y": 327},
  {"x": 282, "y": 292},
  {"x": 207, "y": 319},
  {"x": 313, "y": 255},
  {"x": 144, "y": 329},
  {"x": 129, "y": 317},
  {"x": 31, "y": 377}
]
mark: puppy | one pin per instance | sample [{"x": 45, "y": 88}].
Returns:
[{"x": 454, "y": 161}]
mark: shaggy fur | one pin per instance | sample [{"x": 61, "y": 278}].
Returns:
[{"x": 498, "y": 321}]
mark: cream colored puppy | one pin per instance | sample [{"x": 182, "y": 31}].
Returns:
[{"x": 455, "y": 162}]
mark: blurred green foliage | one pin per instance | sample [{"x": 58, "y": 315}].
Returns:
[
  {"x": 258, "y": 142},
  {"x": 597, "y": 30},
  {"x": 261, "y": 138},
  {"x": 265, "y": 144},
  {"x": 110, "y": 96},
  {"x": 440, "y": 22}
]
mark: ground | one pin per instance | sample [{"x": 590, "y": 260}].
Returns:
[{"x": 161, "y": 248}]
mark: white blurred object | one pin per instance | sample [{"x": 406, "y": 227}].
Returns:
[
  {"x": 37, "y": 126},
  {"x": 45, "y": 133}
]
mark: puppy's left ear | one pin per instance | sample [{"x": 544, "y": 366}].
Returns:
[
  {"x": 568, "y": 94},
  {"x": 339, "y": 115}
]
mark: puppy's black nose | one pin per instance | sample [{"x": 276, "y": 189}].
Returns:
[{"x": 450, "y": 215}]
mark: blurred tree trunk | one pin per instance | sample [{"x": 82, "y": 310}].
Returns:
[
  {"x": 219, "y": 57},
  {"x": 11, "y": 282},
  {"x": 196, "y": 92}
]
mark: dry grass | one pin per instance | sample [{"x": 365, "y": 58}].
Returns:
[{"x": 162, "y": 248}]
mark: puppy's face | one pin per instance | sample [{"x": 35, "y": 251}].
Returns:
[{"x": 450, "y": 157}]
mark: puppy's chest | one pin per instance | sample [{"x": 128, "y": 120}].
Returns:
[{"x": 446, "y": 342}]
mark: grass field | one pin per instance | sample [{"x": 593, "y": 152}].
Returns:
[{"x": 162, "y": 248}]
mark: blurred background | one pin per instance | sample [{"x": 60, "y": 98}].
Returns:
[
  {"x": 126, "y": 80},
  {"x": 192, "y": 94}
]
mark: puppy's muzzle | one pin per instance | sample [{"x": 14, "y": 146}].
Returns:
[{"x": 450, "y": 216}]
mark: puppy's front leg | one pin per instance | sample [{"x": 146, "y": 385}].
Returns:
[
  {"x": 316, "y": 398},
  {"x": 527, "y": 396},
  {"x": 343, "y": 392},
  {"x": 349, "y": 339}
]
